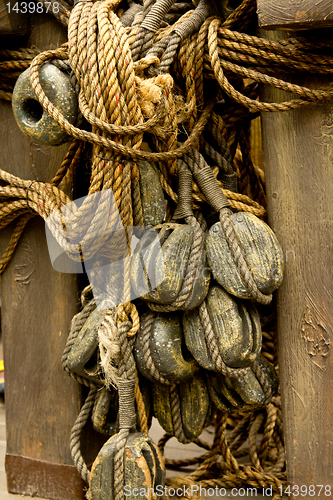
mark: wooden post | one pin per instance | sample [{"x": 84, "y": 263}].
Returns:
[
  {"x": 297, "y": 148},
  {"x": 42, "y": 402}
]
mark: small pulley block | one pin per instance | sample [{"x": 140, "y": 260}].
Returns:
[{"x": 30, "y": 116}]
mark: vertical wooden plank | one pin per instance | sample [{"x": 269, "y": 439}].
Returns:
[
  {"x": 298, "y": 152},
  {"x": 256, "y": 143},
  {"x": 42, "y": 402}
]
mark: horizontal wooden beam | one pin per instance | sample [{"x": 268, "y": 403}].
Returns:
[
  {"x": 27, "y": 476},
  {"x": 303, "y": 14}
]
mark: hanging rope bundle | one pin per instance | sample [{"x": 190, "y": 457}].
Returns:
[{"x": 182, "y": 79}]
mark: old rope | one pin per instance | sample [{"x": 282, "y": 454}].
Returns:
[{"x": 147, "y": 73}]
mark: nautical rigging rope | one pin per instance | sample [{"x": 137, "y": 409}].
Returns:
[{"x": 118, "y": 67}]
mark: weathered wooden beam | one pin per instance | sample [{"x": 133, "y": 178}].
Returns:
[
  {"x": 287, "y": 14},
  {"x": 13, "y": 22},
  {"x": 42, "y": 402},
  {"x": 297, "y": 148}
]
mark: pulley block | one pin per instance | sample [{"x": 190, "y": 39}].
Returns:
[
  {"x": 159, "y": 265},
  {"x": 143, "y": 468},
  {"x": 244, "y": 392},
  {"x": 105, "y": 417},
  {"x": 194, "y": 406},
  {"x": 152, "y": 198},
  {"x": 167, "y": 347},
  {"x": 30, "y": 116},
  {"x": 236, "y": 326},
  {"x": 83, "y": 357},
  {"x": 262, "y": 253}
]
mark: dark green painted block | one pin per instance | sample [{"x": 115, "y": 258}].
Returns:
[
  {"x": 31, "y": 118},
  {"x": 262, "y": 253}
]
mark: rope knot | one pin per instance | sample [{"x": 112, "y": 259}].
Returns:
[{"x": 128, "y": 316}]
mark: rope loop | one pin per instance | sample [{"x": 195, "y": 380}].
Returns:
[{"x": 128, "y": 313}]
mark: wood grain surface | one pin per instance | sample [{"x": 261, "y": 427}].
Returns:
[
  {"x": 300, "y": 14},
  {"x": 42, "y": 401},
  {"x": 43, "y": 479},
  {"x": 12, "y": 22},
  {"x": 298, "y": 153}
]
